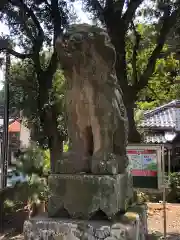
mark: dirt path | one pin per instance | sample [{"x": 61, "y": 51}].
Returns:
[{"x": 155, "y": 220}]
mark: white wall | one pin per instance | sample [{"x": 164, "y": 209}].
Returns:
[{"x": 24, "y": 136}]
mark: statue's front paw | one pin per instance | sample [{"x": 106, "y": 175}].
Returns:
[{"x": 104, "y": 164}]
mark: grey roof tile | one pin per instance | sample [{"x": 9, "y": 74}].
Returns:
[
  {"x": 154, "y": 138},
  {"x": 165, "y": 117}
]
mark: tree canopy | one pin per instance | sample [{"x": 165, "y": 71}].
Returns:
[
  {"x": 163, "y": 84},
  {"x": 121, "y": 20}
]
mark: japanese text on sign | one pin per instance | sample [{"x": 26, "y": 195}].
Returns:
[{"x": 143, "y": 162}]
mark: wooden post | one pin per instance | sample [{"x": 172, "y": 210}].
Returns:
[
  {"x": 169, "y": 162},
  {"x": 164, "y": 195}
]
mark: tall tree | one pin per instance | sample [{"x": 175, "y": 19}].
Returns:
[
  {"x": 35, "y": 24},
  {"x": 24, "y": 95},
  {"x": 119, "y": 18}
]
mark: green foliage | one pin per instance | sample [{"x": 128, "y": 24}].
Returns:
[
  {"x": 34, "y": 161},
  {"x": 174, "y": 180},
  {"x": 17, "y": 197},
  {"x": 23, "y": 88},
  {"x": 46, "y": 166},
  {"x": 145, "y": 105},
  {"x": 65, "y": 147},
  {"x": 144, "y": 50},
  {"x": 138, "y": 116},
  {"x": 174, "y": 184},
  {"x": 38, "y": 189},
  {"x": 138, "y": 31},
  {"x": 166, "y": 68},
  {"x": 35, "y": 26},
  {"x": 24, "y": 96},
  {"x": 58, "y": 92},
  {"x": 24, "y": 24},
  {"x": 141, "y": 197},
  {"x": 162, "y": 86}
]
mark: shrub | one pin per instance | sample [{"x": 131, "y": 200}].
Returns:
[
  {"x": 174, "y": 184},
  {"x": 35, "y": 163},
  {"x": 34, "y": 160}
]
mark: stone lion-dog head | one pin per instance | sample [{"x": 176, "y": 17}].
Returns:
[{"x": 83, "y": 43}]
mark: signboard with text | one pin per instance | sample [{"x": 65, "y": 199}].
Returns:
[{"x": 145, "y": 164}]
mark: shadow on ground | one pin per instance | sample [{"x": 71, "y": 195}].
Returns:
[
  {"x": 11, "y": 235},
  {"x": 13, "y": 226},
  {"x": 158, "y": 235}
]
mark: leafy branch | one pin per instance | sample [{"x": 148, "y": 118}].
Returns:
[{"x": 168, "y": 20}]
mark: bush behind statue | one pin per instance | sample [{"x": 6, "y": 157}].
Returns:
[{"x": 33, "y": 162}]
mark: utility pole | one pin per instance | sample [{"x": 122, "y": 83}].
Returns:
[
  {"x": 5, "y": 145},
  {"x": 5, "y": 142}
]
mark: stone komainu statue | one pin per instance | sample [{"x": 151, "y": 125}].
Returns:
[{"x": 96, "y": 116}]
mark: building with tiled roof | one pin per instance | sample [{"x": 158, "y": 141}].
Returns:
[{"x": 162, "y": 126}]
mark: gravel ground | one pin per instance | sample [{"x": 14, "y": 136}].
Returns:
[
  {"x": 155, "y": 223},
  {"x": 155, "y": 220}
]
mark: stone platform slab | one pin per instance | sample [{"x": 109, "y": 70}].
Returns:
[
  {"x": 130, "y": 226},
  {"x": 82, "y": 195}
]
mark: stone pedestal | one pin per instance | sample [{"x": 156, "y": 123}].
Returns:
[
  {"x": 130, "y": 226},
  {"x": 82, "y": 196}
]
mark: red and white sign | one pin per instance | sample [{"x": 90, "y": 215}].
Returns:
[{"x": 143, "y": 162}]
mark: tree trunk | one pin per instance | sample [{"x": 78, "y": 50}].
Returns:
[
  {"x": 48, "y": 118},
  {"x": 129, "y": 95},
  {"x": 55, "y": 140},
  {"x": 133, "y": 135},
  {"x": 56, "y": 148}
]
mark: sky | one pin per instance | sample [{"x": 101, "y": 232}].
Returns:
[{"x": 83, "y": 17}]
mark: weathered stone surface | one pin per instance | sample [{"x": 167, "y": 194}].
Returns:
[
  {"x": 141, "y": 210},
  {"x": 112, "y": 165},
  {"x": 83, "y": 195},
  {"x": 67, "y": 164},
  {"x": 96, "y": 116},
  {"x": 126, "y": 228}
]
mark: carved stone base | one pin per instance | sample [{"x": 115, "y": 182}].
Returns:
[
  {"x": 130, "y": 226},
  {"x": 83, "y": 196}
]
